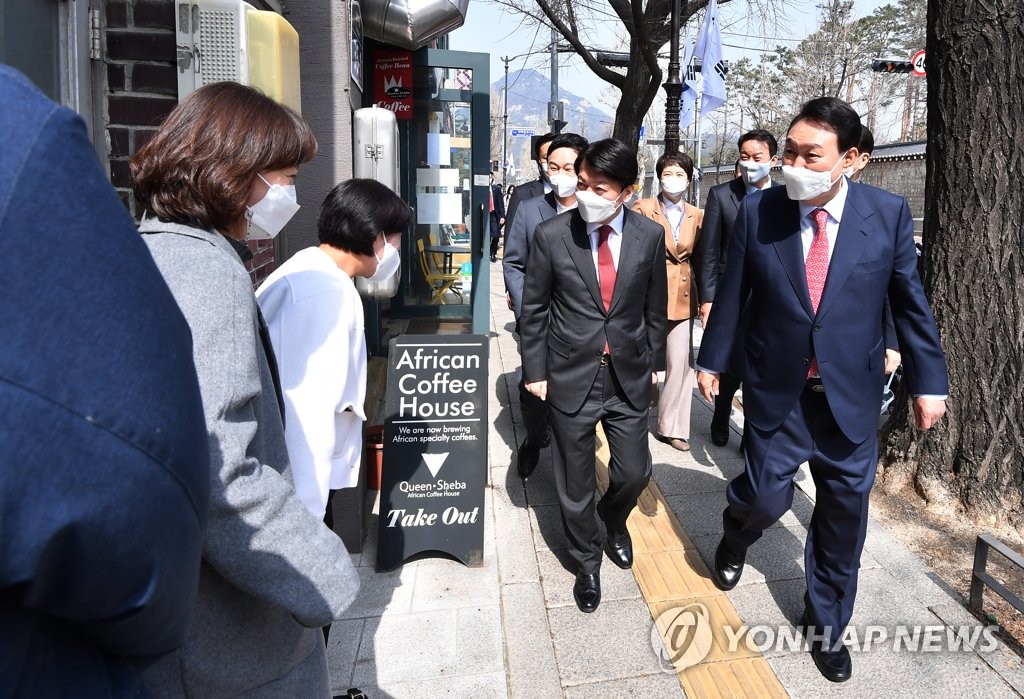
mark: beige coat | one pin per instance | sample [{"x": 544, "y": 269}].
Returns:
[{"x": 682, "y": 291}]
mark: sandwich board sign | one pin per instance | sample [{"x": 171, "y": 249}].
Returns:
[{"x": 435, "y": 449}]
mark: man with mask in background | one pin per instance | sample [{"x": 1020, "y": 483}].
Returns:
[
  {"x": 593, "y": 335},
  {"x": 534, "y": 188},
  {"x": 817, "y": 260},
  {"x": 758, "y": 150},
  {"x": 562, "y": 152}
]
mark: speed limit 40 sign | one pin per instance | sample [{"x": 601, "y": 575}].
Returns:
[{"x": 917, "y": 61}]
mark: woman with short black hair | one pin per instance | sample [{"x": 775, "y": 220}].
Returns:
[
  {"x": 315, "y": 317},
  {"x": 681, "y": 222}
]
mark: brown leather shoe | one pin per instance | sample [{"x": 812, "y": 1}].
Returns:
[{"x": 679, "y": 443}]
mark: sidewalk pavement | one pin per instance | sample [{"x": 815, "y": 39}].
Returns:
[{"x": 511, "y": 629}]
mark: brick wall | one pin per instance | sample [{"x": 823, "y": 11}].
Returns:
[
  {"x": 142, "y": 83},
  {"x": 142, "y": 89}
]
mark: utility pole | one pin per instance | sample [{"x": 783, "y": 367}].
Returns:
[
  {"x": 553, "y": 115},
  {"x": 504, "y": 131},
  {"x": 673, "y": 85}
]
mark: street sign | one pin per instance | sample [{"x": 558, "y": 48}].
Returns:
[
  {"x": 522, "y": 132},
  {"x": 917, "y": 60}
]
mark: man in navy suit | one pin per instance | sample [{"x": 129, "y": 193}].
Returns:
[
  {"x": 104, "y": 458},
  {"x": 533, "y": 188},
  {"x": 818, "y": 260}
]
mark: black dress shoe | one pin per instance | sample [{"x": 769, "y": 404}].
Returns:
[
  {"x": 720, "y": 421},
  {"x": 619, "y": 548},
  {"x": 720, "y": 430},
  {"x": 529, "y": 456},
  {"x": 587, "y": 591},
  {"x": 834, "y": 665},
  {"x": 728, "y": 566}
]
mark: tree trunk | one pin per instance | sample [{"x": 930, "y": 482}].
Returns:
[
  {"x": 973, "y": 462},
  {"x": 638, "y": 95}
]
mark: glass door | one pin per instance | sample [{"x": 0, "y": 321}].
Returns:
[{"x": 446, "y": 171}]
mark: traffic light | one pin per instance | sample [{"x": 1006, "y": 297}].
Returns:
[{"x": 882, "y": 65}]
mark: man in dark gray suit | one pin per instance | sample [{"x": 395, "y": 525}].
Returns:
[
  {"x": 593, "y": 335},
  {"x": 758, "y": 150},
  {"x": 561, "y": 172}
]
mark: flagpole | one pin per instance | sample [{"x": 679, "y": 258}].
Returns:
[{"x": 697, "y": 148}]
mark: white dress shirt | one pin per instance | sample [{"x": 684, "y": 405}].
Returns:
[
  {"x": 315, "y": 318},
  {"x": 674, "y": 213},
  {"x": 808, "y": 226},
  {"x": 560, "y": 209},
  {"x": 614, "y": 238}
]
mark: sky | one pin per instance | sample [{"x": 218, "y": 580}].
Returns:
[{"x": 489, "y": 28}]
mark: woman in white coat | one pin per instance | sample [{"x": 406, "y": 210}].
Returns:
[{"x": 315, "y": 317}]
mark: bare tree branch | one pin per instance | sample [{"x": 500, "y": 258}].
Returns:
[{"x": 609, "y": 76}]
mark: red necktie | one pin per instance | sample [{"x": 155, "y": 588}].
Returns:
[
  {"x": 817, "y": 269},
  {"x": 489, "y": 189},
  {"x": 605, "y": 270}
]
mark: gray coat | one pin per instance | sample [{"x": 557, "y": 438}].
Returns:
[{"x": 272, "y": 573}]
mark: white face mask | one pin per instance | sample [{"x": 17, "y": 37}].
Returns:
[
  {"x": 803, "y": 184},
  {"x": 270, "y": 214},
  {"x": 594, "y": 208},
  {"x": 565, "y": 185},
  {"x": 387, "y": 264},
  {"x": 753, "y": 172},
  {"x": 544, "y": 171},
  {"x": 674, "y": 184}
]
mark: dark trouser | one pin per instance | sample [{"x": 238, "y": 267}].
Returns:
[
  {"x": 495, "y": 242},
  {"x": 843, "y": 474},
  {"x": 535, "y": 415},
  {"x": 728, "y": 384},
  {"x": 573, "y": 460}
]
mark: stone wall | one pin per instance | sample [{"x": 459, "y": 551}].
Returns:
[{"x": 905, "y": 177}]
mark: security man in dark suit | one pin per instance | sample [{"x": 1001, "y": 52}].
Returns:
[
  {"x": 534, "y": 188},
  {"x": 593, "y": 335},
  {"x": 758, "y": 150},
  {"x": 561, "y": 173},
  {"x": 818, "y": 260}
]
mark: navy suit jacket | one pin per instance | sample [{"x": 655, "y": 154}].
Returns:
[
  {"x": 532, "y": 213},
  {"x": 874, "y": 257},
  {"x": 104, "y": 457},
  {"x": 564, "y": 325}
]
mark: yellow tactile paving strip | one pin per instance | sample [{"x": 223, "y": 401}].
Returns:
[{"x": 671, "y": 575}]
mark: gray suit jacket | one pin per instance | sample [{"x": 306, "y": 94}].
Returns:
[
  {"x": 532, "y": 212},
  {"x": 565, "y": 326},
  {"x": 272, "y": 573},
  {"x": 527, "y": 190}
]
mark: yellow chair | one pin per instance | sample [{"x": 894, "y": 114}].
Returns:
[{"x": 440, "y": 282}]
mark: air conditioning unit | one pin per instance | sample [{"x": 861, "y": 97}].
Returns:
[{"x": 232, "y": 40}]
